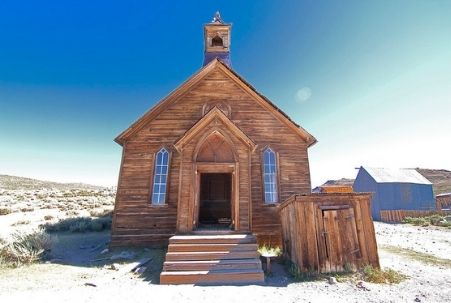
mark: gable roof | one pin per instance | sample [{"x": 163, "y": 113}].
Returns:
[
  {"x": 396, "y": 175},
  {"x": 213, "y": 114},
  {"x": 182, "y": 89}
]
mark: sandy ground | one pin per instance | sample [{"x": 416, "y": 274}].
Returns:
[{"x": 66, "y": 282}]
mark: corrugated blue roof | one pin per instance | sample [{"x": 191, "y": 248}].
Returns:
[{"x": 396, "y": 175}]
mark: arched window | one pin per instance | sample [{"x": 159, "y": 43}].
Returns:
[
  {"x": 216, "y": 41},
  {"x": 160, "y": 177},
  {"x": 270, "y": 176}
]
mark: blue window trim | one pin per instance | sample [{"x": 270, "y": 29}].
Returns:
[
  {"x": 160, "y": 177},
  {"x": 270, "y": 176}
]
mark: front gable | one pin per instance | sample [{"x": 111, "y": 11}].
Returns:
[
  {"x": 218, "y": 118},
  {"x": 215, "y": 67}
]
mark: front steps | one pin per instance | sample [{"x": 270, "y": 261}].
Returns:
[{"x": 212, "y": 259}]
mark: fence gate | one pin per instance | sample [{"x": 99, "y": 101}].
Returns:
[{"x": 338, "y": 245}]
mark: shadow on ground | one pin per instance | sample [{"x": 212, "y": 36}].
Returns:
[{"x": 91, "y": 249}]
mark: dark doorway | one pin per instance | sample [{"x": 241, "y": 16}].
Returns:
[{"x": 215, "y": 211}]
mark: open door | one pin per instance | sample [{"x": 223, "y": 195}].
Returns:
[{"x": 215, "y": 209}]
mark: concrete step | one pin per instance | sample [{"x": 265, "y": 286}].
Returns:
[
  {"x": 212, "y": 265},
  {"x": 250, "y": 276}
]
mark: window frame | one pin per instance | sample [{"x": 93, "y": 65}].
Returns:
[
  {"x": 152, "y": 179},
  {"x": 277, "y": 175}
]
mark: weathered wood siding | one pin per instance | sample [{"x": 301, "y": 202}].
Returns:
[
  {"x": 327, "y": 231},
  {"x": 136, "y": 221},
  {"x": 443, "y": 201}
]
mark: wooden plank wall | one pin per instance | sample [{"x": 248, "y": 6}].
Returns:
[
  {"x": 397, "y": 215},
  {"x": 136, "y": 221},
  {"x": 326, "y": 231},
  {"x": 443, "y": 201}
]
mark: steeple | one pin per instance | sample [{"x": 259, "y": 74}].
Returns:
[{"x": 217, "y": 40}]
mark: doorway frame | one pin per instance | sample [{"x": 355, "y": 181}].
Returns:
[{"x": 205, "y": 167}]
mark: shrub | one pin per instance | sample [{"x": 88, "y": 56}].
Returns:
[
  {"x": 72, "y": 213},
  {"x": 436, "y": 220},
  {"x": 25, "y": 248},
  {"x": 48, "y": 217},
  {"x": 100, "y": 213},
  {"x": 299, "y": 275},
  {"x": 26, "y": 209},
  {"x": 21, "y": 222},
  {"x": 376, "y": 275},
  {"x": 81, "y": 224},
  {"x": 5, "y": 211}
]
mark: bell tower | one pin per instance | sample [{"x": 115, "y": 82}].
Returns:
[{"x": 217, "y": 40}]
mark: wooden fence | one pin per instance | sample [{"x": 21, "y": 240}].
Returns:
[
  {"x": 397, "y": 215},
  {"x": 328, "y": 232}
]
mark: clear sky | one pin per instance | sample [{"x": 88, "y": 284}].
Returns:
[{"x": 371, "y": 80}]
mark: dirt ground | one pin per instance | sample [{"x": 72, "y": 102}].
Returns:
[{"x": 421, "y": 253}]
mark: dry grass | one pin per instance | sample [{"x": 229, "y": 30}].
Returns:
[
  {"x": 25, "y": 249},
  {"x": 381, "y": 276},
  {"x": 5, "y": 211},
  {"x": 80, "y": 224},
  {"x": 417, "y": 256},
  {"x": 21, "y": 222}
]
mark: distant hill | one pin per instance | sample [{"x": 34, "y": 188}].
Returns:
[
  {"x": 440, "y": 178},
  {"x": 21, "y": 183}
]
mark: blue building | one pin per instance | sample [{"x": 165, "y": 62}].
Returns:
[{"x": 395, "y": 189}]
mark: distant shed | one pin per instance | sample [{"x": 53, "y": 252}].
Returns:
[
  {"x": 395, "y": 191},
  {"x": 443, "y": 201}
]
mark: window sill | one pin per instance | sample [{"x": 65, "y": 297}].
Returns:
[
  {"x": 158, "y": 205},
  {"x": 271, "y": 204}
]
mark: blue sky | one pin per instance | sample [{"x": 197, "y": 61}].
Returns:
[{"x": 371, "y": 80}]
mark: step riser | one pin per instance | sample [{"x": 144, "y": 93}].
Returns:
[
  {"x": 212, "y": 241},
  {"x": 213, "y": 278},
  {"x": 211, "y": 247},
  {"x": 211, "y": 256},
  {"x": 200, "y": 267}
]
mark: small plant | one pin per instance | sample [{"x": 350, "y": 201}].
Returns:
[
  {"x": 376, "y": 275},
  {"x": 72, "y": 213},
  {"x": 48, "y": 217},
  {"x": 266, "y": 250},
  {"x": 436, "y": 220},
  {"x": 26, "y": 209},
  {"x": 100, "y": 213},
  {"x": 301, "y": 275},
  {"x": 21, "y": 222},
  {"x": 5, "y": 211},
  {"x": 25, "y": 249}
]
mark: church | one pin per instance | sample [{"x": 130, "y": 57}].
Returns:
[
  {"x": 213, "y": 155},
  {"x": 206, "y": 169}
]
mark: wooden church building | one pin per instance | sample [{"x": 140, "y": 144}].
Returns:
[
  {"x": 205, "y": 169},
  {"x": 214, "y": 154}
]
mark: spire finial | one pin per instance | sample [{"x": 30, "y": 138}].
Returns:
[{"x": 217, "y": 18}]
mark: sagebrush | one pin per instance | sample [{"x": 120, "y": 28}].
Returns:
[{"x": 25, "y": 248}]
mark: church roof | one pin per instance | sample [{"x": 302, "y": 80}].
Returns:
[{"x": 178, "y": 93}]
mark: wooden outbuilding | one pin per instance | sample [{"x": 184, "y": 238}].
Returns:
[{"x": 329, "y": 232}]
